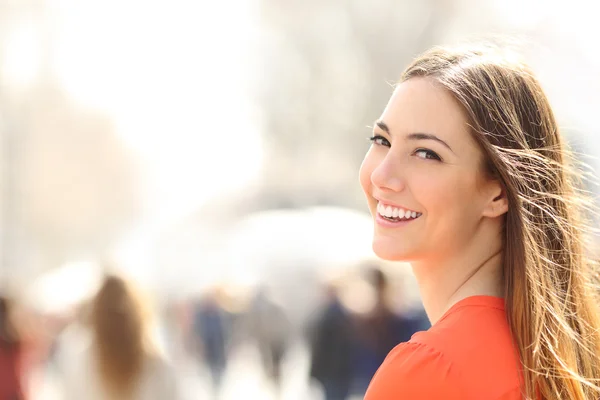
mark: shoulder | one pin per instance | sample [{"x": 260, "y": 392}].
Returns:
[
  {"x": 416, "y": 371},
  {"x": 467, "y": 354},
  {"x": 478, "y": 341}
]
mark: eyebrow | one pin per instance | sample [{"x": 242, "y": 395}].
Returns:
[{"x": 414, "y": 136}]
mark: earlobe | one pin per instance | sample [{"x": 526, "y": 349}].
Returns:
[{"x": 498, "y": 205}]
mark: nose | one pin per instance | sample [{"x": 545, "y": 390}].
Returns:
[{"x": 388, "y": 175}]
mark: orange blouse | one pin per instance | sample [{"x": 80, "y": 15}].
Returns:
[{"x": 468, "y": 355}]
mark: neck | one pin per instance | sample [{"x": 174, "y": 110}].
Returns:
[{"x": 445, "y": 282}]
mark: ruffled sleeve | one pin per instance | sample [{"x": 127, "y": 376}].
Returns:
[{"x": 415, "y": 371}]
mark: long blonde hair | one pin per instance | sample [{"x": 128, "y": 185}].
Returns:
[
  {"x": 551, "y": 301},
  {"x": 119, "y": 321}
]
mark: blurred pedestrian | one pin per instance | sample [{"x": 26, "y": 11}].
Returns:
[
  {"x": 113, "y": 356},
  {"x": 332, "y": 348},
  {"x": 378, "y": 331},
  {"x": 211, "y": 336},
  {"x": 270, "y": 329},
  {"x": 11, "y": 355}
]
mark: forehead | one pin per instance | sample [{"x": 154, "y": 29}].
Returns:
[{"x": 422, "y": 105}]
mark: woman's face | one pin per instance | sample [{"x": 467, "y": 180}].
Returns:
[{"x": 422, "y": 175}]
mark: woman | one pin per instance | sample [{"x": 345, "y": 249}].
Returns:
[
  {"x": 115, "y": 358},
  {"x": 468, "y": 180},
  {"x": 11, "y": 353}
]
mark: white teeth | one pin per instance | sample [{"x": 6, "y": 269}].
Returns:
[{"x": 393, "y": 212}]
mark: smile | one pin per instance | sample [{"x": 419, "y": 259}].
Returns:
[{"x": 396, "y": 214}]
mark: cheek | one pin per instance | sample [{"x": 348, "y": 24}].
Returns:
[
  {"x": 433, "y": 190},
  {"x": 451, "y": 200}
]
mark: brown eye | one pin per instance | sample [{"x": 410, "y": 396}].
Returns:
[
  {"x": 427, "y": 154},
  {"x": 380, "y": 141}
]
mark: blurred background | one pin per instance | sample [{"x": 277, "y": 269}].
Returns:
[{"x": 208, "y": 153}]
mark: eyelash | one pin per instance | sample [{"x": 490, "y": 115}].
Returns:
[
  {"x": 429, "y": 154},
  {"x": 378, "y": 140}
]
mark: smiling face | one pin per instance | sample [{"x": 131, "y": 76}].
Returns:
[{"x": 422, "y": 176}]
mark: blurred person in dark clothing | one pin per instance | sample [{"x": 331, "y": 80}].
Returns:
[
  {"x": 332, "y": 348},
  {"x": 211, "y": 336},
  {"x": 11, "y": 351},
  {"x": 270, "y": 328},
  {"x": 379, "y": 331}
]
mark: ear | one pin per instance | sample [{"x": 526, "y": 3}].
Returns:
[{"x": 497, "y": 203}]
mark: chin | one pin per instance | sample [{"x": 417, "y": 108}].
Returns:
[{"x": 391, "y": 251}]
